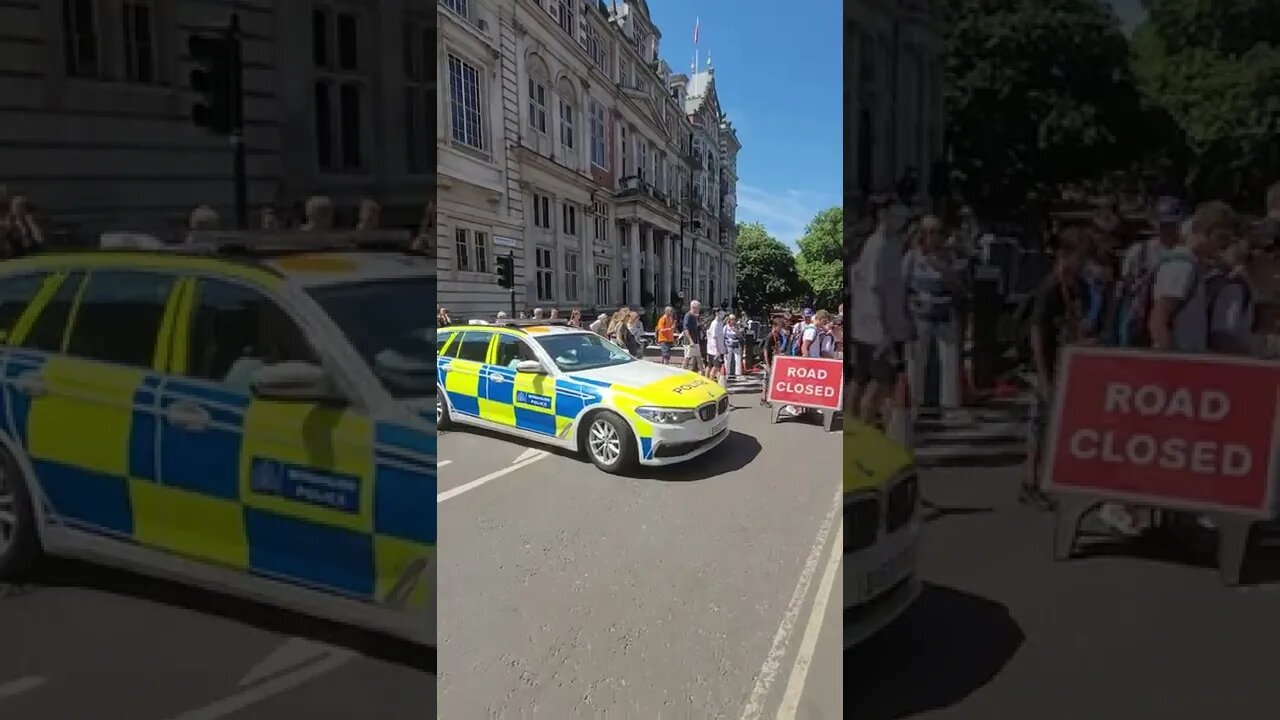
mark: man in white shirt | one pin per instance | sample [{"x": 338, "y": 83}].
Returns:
[
  {"x": 1143, "y": 257},
  {"x": 1180, "y": 311},
  {"x": 880, "y": 325}
]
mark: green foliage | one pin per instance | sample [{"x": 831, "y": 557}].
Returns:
[
  {"x": 767, "y": 274},
  {"x": 820, "y": 262},
  {"x": 1038, "y": 94},
  {"x": 1214, "y": 67}
]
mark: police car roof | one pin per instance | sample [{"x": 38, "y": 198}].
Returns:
[
  {"x": 305, "y": 258},
  {"x": 538, "y": 327}
]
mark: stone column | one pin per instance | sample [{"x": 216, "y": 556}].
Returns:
[
  {"x": 669, "y": 265},
  {"x": 633, "y": 264}
]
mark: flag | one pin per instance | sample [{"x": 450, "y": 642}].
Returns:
[{"x": 697, "y": 25}]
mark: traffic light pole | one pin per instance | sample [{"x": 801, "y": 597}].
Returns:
[
  {"x": 239, "y": 170},
  {"x": 512, "y": 254}
]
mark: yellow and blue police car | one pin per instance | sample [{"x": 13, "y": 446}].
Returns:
[
  {"x": 568, "y": 387},
  {"x": 881, "y": 531},
  {"x": 247, "y": 413}
]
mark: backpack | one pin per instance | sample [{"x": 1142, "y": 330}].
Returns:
[
  {"x": 1136, "y": 305},
  {"x": 1216, "y": 284},
  {"x": 796, "y": 341}
]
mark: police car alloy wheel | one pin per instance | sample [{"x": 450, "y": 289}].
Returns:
[
  {"x": 19, "y": 546},
  {"x": 609, "y": 443}
]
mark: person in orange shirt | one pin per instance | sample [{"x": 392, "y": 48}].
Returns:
[{"x": 666, "y": 333}]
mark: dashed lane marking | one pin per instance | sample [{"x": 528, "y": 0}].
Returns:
[{"x": 20, "y": 686}]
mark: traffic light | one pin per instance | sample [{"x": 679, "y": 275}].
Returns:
[
  {"x": 506, "y": 271},
  {"x": 214, "y": 79}
]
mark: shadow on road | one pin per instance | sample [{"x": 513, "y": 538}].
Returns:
[
  {"x": 949, "y": 645},
  {"x": 736, "y": 452},
  {"x": 76, "y": 574}
]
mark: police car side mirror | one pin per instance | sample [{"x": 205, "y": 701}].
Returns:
[
  {"x": 296, "y": 382},
  {"x": 530, "y": 366}
]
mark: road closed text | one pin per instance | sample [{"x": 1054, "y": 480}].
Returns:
[
  {"x": 807, "y": 381},
  {"x": 1112, "y": 443}
]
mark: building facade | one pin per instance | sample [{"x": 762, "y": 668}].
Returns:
[
  {"x": 96, "y": 127},
  {"x": 589, "y": 158},
  {"x": 893, "y": 94}
]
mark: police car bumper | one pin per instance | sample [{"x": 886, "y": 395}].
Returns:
[
  {"x": 672, "y": 446},
  {"x": 880, "y": 583}
]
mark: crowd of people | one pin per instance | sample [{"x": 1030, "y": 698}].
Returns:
[{"x": 1201, "y": 280}]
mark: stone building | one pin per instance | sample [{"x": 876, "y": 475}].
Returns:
[
  {"x": 597, "y": 148},
  {"x": 96, "y": 127},
  {"x": 893, "y": 94}
]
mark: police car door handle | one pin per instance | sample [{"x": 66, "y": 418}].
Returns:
[
  {"x": 188, "y": 416},
  {"x": 497, "y": 377},
  {"x": 31, "y": 384}
]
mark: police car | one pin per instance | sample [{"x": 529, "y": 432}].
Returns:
[
  {"x": 571, "y": 388},
  {"x": 881, "y": 531},
  {"x": 246, "y": 412}
]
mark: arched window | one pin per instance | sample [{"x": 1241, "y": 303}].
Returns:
[
  {"x": 537, "y": 95},
  {"x": 568, "y": 102}
]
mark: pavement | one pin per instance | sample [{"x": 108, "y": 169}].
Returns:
[
  {"x": 1001, "y": 630},
  {"x": 702, "y": 590},
  {"x": 89, "y": 642}
]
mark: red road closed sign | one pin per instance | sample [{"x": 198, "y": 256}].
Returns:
[
  {"x": 806, "y": 382},
  {"x": 1177, "y": 431}
]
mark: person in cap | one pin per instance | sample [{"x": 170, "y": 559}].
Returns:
[{"x": 1141, "y": 258}]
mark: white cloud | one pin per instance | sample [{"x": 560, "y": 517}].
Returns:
[{"x": 784, "y": 213}]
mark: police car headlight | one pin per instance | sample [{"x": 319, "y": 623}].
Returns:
[{"x": 665, "y": 416}]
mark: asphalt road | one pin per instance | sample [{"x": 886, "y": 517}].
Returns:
[
  {"x": 687, "y": 592},
  {"x": 88, "y": 642},
  {"x": 1003, "y": 631}
]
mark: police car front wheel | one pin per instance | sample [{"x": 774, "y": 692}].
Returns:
[
  {"x": 19, "y": 545},
  {"x": 609, "y": 443},
  {"x": 443, "y": 421}
]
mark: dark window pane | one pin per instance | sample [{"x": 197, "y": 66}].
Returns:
[
  {"x": 348, "y": 47},
  {"x": 475, "y": 346},
  {"x": 46, "y": 334},
  {"x": 324, "y": 127},
  {"x": 350, "y": 109},
  {"x": 236, "y": 330},
  {"x": 319, "y": 38},
  {"x": 118, "y": 318}
]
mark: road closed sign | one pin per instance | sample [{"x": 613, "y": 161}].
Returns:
[
  {"x": 806, "y": 382},
  {"x": 1176, "y": 431}
]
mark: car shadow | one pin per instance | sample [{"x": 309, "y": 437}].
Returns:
[
  {"x": 946, "y": 647},
  {"x": 64, "y": 573},
  {"x": 736, "y": 452}
]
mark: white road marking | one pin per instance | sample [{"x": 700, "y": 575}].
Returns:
[
  {"x": 804, "y": 656},
  {"x": 294, "y": 653},
  {"x": 21, "y": 685},
  {"x": 281, "y": 684},
  {"x": 531, "y": 452},
  {"x": 517, "y": 465},
  {"x": 442, "y": 463},
  {"x": 769, "y": 671}
]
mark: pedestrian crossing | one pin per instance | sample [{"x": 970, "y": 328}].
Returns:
[{"x": 994, "y": 435}]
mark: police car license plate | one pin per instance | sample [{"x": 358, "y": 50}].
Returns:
[
  {"x": 719, "y": 427},
  {"x": 888, "y": 573}
]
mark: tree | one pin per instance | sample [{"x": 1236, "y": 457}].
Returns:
[
  {"x": 767, "y": 274},
  {"x": 820, "y": 262},
  {"x": 1039, "y": 94},
  {"x": 1214, "y": 67}
]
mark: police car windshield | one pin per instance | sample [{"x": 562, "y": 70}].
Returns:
[
  {"x": 583, "y": 351},
  {"x": 391, "y": 323}
]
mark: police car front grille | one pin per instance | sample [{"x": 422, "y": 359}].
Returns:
[
  {"x": 900, "y": 503},
  {"x": 707, "y": 412},
  {"x": 861, "y": 522},
  {"x": 722, "y": 405}
]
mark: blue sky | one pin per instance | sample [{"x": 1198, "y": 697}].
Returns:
[
  {"x": 1130, "y": 11},
  {"x": 779, "y": 76}
]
